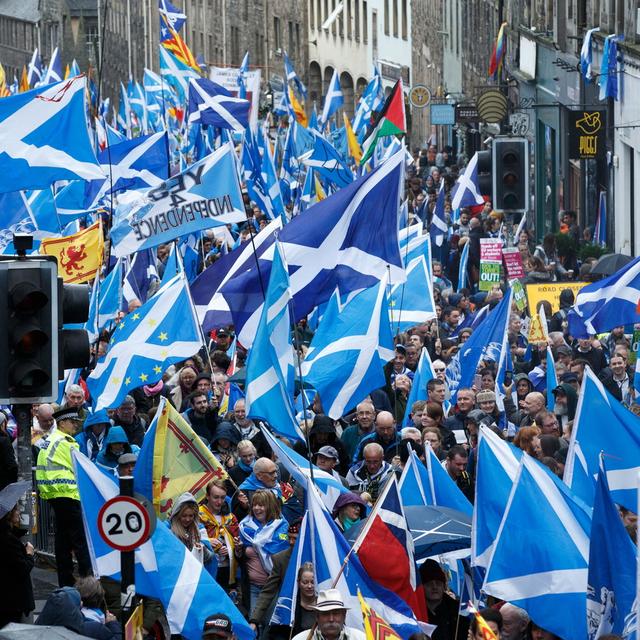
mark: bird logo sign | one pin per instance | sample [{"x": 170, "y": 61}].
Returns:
[{"x": 587, "y": 130}]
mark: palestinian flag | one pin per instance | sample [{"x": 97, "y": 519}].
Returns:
[{"x": 390, "y": 121}]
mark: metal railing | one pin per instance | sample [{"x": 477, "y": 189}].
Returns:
[{"x": 44, "y": 536}]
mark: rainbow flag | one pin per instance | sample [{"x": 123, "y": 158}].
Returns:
[
  {"x": 497, "y": 56},
  {"x": 173, "y": 459}
]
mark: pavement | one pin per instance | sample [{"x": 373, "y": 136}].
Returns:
[{"x": 44, "y": 579}]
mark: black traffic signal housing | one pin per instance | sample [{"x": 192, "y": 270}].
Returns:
[
  {"x": 29, "y": 330},
  {"x": 73, "y": 344},
  {"x": 511, "y": 174},
  {"x": 484, "y": 167}
]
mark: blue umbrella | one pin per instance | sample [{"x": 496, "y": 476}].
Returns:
[{"x": 435, "y": 530}]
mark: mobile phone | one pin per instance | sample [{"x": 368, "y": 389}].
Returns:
[
  {"x": 477, "y": 381},
  {"x": 508, "y": 378}
]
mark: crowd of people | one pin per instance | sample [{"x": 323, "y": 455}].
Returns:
[{"x": 244, "y": 529}]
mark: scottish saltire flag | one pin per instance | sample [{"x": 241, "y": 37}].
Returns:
[
  {"x": 620, "y": 442},
  {"x": 607, "y": 303},
  {"x": 385, "y": 549},
  {"x": 322, "y": 157},
  {"x": 549, "y": 577},
  {"x": 328, "y": 486},
  {"x": 330, "y": 246},
  {"x": 372, "y": 100},
  {"x": 270, "y": 367},
  {"x": 207, "y": 194},
  {"x": 34, "y": 70},
  {"x": 586, "y": 55},
  {"x": 212, "y": 104},
  {"x": 123, "y": 120},
  {"x": 211, "y": 306},
  {"x": 165, "y": 568},
  {"x": 348, "y": 351},
  {"x": 132, "y": 164},
  {"x": 271, "y": 184},
  {"x": 411, "y": 302},
  {"x": 463, "y": 274},
  {"x": 430, "y": 485},
  {"x": 608, "y": 77},
  {"x": 423, "y": 373},
  {"x": 54, "y": 70},
  {"x": 138, "y": 104},
  {"x": 466, "y": 192},
  {"x": 552, "y": 379},
  {"x": 329, "y": 551},
  {"x": 485, "y": 343},
  {"x": 140, "y": 276},
  {"x": 173, "y": 16},
  {"x": 242, "y": 76},
  {"x": 44, "y": 138},
  {"x": 497, "y": 469},
  {"x": 417, "y": 248},
  {"x": 407, "y": 234},
  {"x": 611, "y": 581},
  {"x": 110, "y": 297},
  {"x": 292, "y": 76},
  {"x": 333, "y": 100},
  {"x": 438, "y": 228},
  {"x": 172, "y": 267},
  {"x": 162, "y": 331},
  {"x": 600, "y": 229},
  {"x": 177, "y": 74}
]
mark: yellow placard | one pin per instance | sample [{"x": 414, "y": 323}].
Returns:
[
  {"x": 551, "y": 293},
  {"x": 133, "y": 626}
]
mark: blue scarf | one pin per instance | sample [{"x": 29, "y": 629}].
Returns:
[
  {"x": 253, "y": 484},
  {"x": 248, "y": 468},
  {"x": 266, "y": 539}
]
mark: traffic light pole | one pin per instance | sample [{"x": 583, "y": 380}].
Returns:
[
  {"x": 22, "y": 415},
  {"x": 127, "y": 565}
]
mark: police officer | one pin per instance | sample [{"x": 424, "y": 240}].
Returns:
[{"x": 57, "y": 484}]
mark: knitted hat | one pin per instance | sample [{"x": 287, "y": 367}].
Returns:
[{"x": 485, "y": 396}]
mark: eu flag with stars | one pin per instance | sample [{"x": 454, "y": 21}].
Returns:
[{"x": 162, "y": 331}]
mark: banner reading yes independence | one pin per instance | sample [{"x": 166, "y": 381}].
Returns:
[{"x": 205, "y": 195}]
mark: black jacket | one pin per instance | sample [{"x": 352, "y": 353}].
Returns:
[
  {"x": 8, "y": 464},
  {"x": 135, "y": 431},
  {"x": 16, "y": 591}
]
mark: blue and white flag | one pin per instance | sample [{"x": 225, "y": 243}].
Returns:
[
  {"x": 329, "y": 551},
  {"x": 600, "y": 229},
  {"x": 424, "y": 373},
  {"x": 552, "y": 575},
  {"x": 212, "y": 104},
  {"x": 416, "y": 248},
  {"x": 140, "y": 276},
  {"x": 172, "y": 15},
  {"x": 485, "y": 343},
  {"x": 586, "y": 55},
  {"x": 552, "y": 379},
  {"x": 270, "y": 366},
  {"x": 438, "y": 228},
  {"x": 329, "y": 246},
  {"x": 619, "y": 441},
  {"x": 132, "y": 164},
  {"x": 205, "y": 195},
  {"x": 322, "y": 157},
  {"x": 138, "y": 105},
  {"x": 347, "y": 354},
  {"x": 497, "y": 468},
  {"x": 411, "y": 302},
  {"x": 463, "y": 274},
  {"x": 176, "y": 73},
  {"x": 466, "y": 192},
  {"x": 611, "y": 582},
  {"x": 607, "y": 303},
  {"x": 242, "y": 76},
  {"x": 333, "y": 100},
  {"x": 164, "y": 567},
  {"x": 430, "y": 485},
  {"x": 271, "y": 184},
  {"x": 211, "y": 306},
  {"x": 608, "y": 77},
  {"x": 44, "y": 138},
  {"x": 162, "y": 331},
  {"x": 329, "y": 487},
  {"x": 372, "y": 100},
  {"x": 34, "y": 69},
  {"x": 292, "y": 76},
  {"x": 54, "y": 70},
  {"x": 110, "y": 298}
]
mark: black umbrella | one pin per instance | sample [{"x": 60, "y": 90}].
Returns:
[
  {"x": 10, "y": 495},
  {"x": 610, "y": 263},
  {"x": 14, "y": 631},
  {"x": 435, "y": 530}
]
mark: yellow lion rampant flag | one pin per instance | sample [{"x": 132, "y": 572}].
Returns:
[
  {"x": 485, "y": 630},
  {"x": 79, "y": 255},
  {"x": 298, "y": 109},
  {"x": 375, "y": 627},
  {"x": 181, "y": 461}
]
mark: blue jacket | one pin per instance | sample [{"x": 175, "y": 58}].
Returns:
[{"x": 105, "y": 458}]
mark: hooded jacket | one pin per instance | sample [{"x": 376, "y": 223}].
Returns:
[
  {"x": 90, "y": 444},
  {"x": 323, "y": 424},
  {"x": 105, "y": 458},
  {"x": 572, "y": 399}
]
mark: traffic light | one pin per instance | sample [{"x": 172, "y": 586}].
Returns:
[
  {"x": 511, "y": 175},
  {"x": 73, "y": 308},
  {"x": 29, "y": 331},
  {"x": 484, "y": 166}
]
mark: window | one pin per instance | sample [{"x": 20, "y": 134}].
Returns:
[
  {"x": 374, "y": 33},
  {"x": 356, "y": 21},
  {"x": 365, "y": 22},
  {"x": 326, "y": 12},
  {"x": 386, "y": 17},
  {"x": 341, "y": 22},
  {"x": 312, "y": 15},
  {"x": 277, "y": 40},
  {"x": 395, "y": 18},
  {"x": 290, "y": 46},
  {"x": 404, "y": 19},
  {"x": 349, "y": 19},
  {"x": 210, "y": 49},
  {"x": 333, "y": 8},
  {"x": 297, "y": 40}
]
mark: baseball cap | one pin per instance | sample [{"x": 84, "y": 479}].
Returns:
[
  {"x": 328, "y": 452},
  {"x": 217, "y": 624},
  {"x": 127, "y": 458}
]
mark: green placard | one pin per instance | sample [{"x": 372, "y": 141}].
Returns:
[
  {"x": 489, "y": 275},
  {"x": 519, "y": 295}
]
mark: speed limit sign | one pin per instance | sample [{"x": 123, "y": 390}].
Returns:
[{"x": 124, "y": 523}]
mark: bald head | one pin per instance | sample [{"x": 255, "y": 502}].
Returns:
[
  {"x": 533, "y": 403},
  {"x": 44, "y": 416},
  {"x": 385, "y": 426},
  {"x": 266, "y": 471}
]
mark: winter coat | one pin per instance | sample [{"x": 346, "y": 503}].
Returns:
[{"x": 16, "y": 591}]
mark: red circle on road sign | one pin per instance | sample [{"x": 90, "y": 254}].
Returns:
[{"x": 123, "y": 523}]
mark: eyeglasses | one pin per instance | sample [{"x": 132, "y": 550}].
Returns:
[
  {"x": 439, "y": 370},
  {"x": 271, "y": 473}
]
